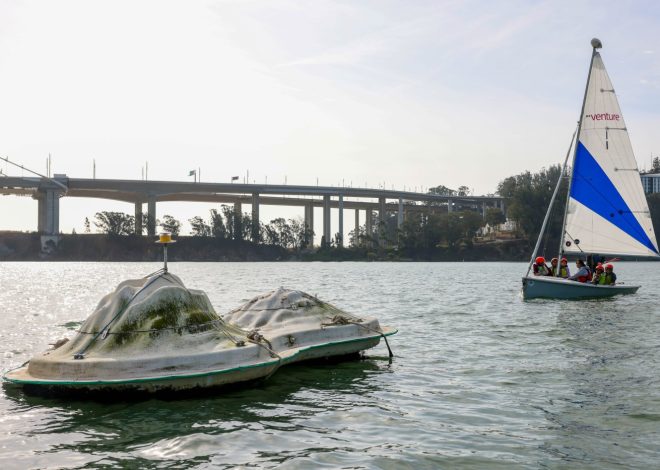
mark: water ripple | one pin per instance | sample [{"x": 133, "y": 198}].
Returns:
[{"x": 481, "y": 379}]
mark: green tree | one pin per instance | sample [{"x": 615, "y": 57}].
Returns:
[
  {"x": 218, "y": 228},
  {"x": 655, "y": 168},
  {"x": 114, "y": 223},
  {"x": 423, "y": 232},
  {"x": 281, "y": 233},
  {"x": 494, "y": 217},
  {"x": 528, "y": 196},
  {"x": 199, "y": 227},
  {"x": 420, "y": 231},
  {"x": 170, "y": 224},
  {"x": 470, "y": 222},
  {"x": 300, "y": 233},
  {"x": 232, "y": 225},
  {"x": 245, "y": 226},
  {"x": 358, "y": 237},
  {"x": 145, "y": 223},
  {"x": 442, "y": 191},
  {"x": 271, "y": 235}
]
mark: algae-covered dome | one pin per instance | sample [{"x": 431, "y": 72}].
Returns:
[{"x": 141, "y": 319}]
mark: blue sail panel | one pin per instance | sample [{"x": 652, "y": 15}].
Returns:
[{"x": 593, "y": 188}]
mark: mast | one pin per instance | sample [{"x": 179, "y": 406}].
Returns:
[
  {"x": 552, "y": 203},
  {"x": 595, "y": 44}
]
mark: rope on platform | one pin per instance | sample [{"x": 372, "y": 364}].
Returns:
[
  {"x": 255, "y": 337},
  {"x": 342, "y": 320},
  {"x": 200, "y": 327}
]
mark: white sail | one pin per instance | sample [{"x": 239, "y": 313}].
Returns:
[{"x": 607, "y": 208}]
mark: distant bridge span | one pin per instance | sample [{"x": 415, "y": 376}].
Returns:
[{"x": 140, "y": 192}]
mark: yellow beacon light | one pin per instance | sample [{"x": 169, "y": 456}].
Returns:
[{"x": 164, "y": 239}]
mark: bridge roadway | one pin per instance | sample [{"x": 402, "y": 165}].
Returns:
[{"x": 48, "y": 192}]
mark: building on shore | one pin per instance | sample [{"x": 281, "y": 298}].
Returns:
[{"x": 650, "y": 182}]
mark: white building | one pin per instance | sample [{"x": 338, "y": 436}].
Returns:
[
  {"x": 651, "y": 182},
  {"x": 504, "y": 230}
]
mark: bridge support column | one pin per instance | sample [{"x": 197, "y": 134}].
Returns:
[
  {"x": 326, "y": 221},
  {"x": 449, "y": 205},
  {"x": 138, "y": 218},
  {"x": 483, "y": 209},
  {"x": 356, "y": 230},
  {"x": 399, "y": 215},
  {"x": 255, "y": 218},
  {"x": 340, "y": 241},
  {"x": 381, "y": 221},
  {"x": 309, "y": 224},
  {"x": 151, "y": 216},
  {"x": 48, "y": 221},
  {"x": 238, "y": 221},
  {"x": 369, "y": 224}
]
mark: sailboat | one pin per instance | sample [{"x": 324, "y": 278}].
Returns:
[{"x": 606, "y": 212}]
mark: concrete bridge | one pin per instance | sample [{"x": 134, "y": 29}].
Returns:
[{"x": 139, "y": 192}]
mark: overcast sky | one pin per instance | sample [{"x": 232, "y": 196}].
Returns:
[{"x": 409, "y": 93}]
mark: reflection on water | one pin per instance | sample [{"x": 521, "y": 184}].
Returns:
[
  {"x": 480, "y": 379},
  {"x": 197, "y": 428}
]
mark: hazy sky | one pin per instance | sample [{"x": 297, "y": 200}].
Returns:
[{"x": 410, "y": 93}]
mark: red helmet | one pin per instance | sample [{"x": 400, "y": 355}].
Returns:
[
  {"x": 609, "y": 266},
  {"x": 599, "y": 267},
  {"x": 540, "y": 260},
  {"x": 564, "y": 260}
]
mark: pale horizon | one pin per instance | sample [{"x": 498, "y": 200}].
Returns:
[{"x": 406, "y": 95}]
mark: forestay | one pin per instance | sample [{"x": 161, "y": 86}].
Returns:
[{"x": 607, "y": 209}]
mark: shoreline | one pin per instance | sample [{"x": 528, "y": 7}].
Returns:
[{"x": 19, "y": 246}]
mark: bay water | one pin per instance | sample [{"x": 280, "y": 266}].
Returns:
[{"x": 480, "y": 378}]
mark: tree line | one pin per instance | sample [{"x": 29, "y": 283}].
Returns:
[
  {"x": 420, "y": 230},
  {"x": 527, "y": 196},
  {"x": 227, "y": 224}
]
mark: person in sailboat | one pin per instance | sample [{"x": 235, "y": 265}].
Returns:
[
  {"x": 593, "y": 261},
  {"x": 599, "y": 274},
  {"x": 540, "y": 268},
  {"x": 564, "y": 272},
  {"x": 608, "y": 278},
  {"x": 563, "y": 268},
  {"x": 583, "y": 274},
  {"x": 553, "y": 266}
]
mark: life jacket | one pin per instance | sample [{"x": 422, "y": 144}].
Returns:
[
  {"x": 605, "y": 279},
  {"x": 586, "y": 278},
  {"x": 541, "y": 270},
  {"x": 563, "y": 272}
]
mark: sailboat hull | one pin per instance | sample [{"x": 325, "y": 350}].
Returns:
[{"x": 538, "y": 287}]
